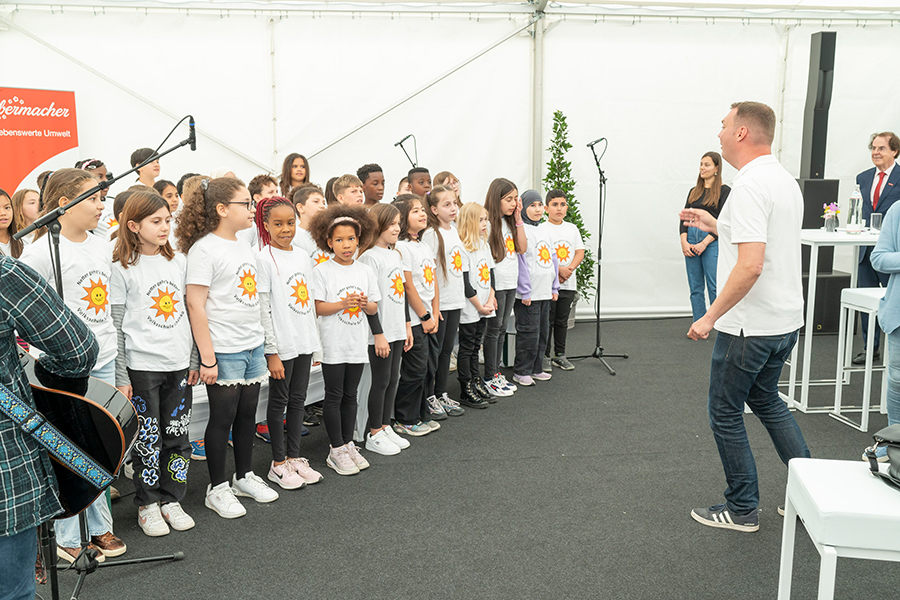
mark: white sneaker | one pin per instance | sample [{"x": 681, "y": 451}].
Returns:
[
  {"x": 496, "y": 387},
  {"x": 251, "y": 485},
  {"x": 176, "y": 517},
  {"x": 380, "y": 443},
  {"x": 339, "y": 460},
  {"x": 400, "y": 442},
  {"x": 357, "y": 458},
  {"x": 151, "y": 521},
  {"x": 128, "y": 470},
  {"x": 301, "y": 466},
  {"x": 434, "y": 425},
  {"x": 507, "y": 384},
  {"x": 221, "y": 499}
]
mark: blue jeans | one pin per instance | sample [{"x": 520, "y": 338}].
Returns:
[
  {"x": 746, "y": 370},
  {"x": 701, "y": 270},
  {"x": 893, "y": 388},
  {"x": 17, "y": 554},
  {"x": 99, "y": 519}
]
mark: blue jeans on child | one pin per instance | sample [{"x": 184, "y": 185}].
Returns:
[
  {"x": 99, "y": 519},
  {"x": 701, "y": 270},
  {"x": 746, "y": 370},
  {"x": 17, "y": 553}
]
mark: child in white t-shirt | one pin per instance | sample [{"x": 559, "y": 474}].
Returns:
[
  {"x": 345, "y": 290},
  {"x": 538, "y": 286},
  {"x": 392, "y": 334},
  {"x": 288, "y": 312},
  {"x": 223, "y": 306},
  {"x": 86, "y": 268},
  {"x": 481, "y": 303},
  {"x": 308, "y": 200},
  {"x": 567, "y": 245},
  {"x": 450, "y": 256},
  {"x": 154, "y": 339},
  {"x": 8, "y": 246}
]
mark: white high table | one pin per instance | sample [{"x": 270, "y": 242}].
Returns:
[{"x": 815, "y": 239}]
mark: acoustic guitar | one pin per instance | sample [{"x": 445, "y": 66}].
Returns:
[{"x": 101, "y": 422}]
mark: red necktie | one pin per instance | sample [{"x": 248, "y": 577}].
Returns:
[{"x": 877, "y": 191}]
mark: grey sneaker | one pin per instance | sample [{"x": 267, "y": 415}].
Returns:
[
  {"x": 451, "y": 406},
  {"x": 719, "y": 516},
  {"x": 436, "y": 409},
  {"x": 561, "y": 362},
  {"x": 546, "y": 366}
]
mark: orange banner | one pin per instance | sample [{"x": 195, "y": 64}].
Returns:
[{"x": 35, "y": 126}]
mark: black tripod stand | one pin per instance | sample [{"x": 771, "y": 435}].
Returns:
[
  {"x": 414, "y": 163},
  {"x": 599, "y": 353},
  {"x": 86, "y": 561}
]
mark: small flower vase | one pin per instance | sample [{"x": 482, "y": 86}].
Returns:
[{"x": 831, "y": 223}]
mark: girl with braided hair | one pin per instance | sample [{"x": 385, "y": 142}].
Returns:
[{"x": 288, "y": 314}]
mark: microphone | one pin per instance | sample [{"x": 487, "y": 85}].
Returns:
[
  {"x": 597, "y": 141},
  {"x": 403, "y": 140},
  {"x": 192, "y": 136}
]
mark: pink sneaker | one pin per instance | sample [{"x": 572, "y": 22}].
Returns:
[
  {"x": 285, "y": 476},
  {"x": 302, "y": 468},
  {"x": 542, "y": 376},
  {"x": 524, "y": 380}
]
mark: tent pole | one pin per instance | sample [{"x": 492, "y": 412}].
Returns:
[
  {"x": 127, "y": 90},
  {"x": 537, "y": 103}
]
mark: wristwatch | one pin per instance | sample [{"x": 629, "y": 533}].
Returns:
[{"x": 425, "y": 317}]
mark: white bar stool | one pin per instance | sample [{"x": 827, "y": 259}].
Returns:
[
  {"x": 854, "y": 300},
  {"x": 847, "y": 512}
]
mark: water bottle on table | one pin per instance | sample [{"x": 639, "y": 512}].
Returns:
[{"x": 854, "y": 220}]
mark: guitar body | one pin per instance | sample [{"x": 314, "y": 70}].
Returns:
[{"x": 102, "y": 423}]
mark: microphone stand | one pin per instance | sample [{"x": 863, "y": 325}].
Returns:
[
  {"x": 415, "y": 150},
  {"x": 86, "y": 562},
  {"x": 599, "y": 353}
]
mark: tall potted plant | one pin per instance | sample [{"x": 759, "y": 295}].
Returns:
[{"x": 559, "y": 177}]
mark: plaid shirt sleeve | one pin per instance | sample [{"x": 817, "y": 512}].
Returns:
[{"x": 29, "y": 306}]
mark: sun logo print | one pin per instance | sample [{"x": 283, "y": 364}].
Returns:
[
  {"x": 351, "y": 312},
  {"x": 456, "y": 261},
  {"x": 510, "y": 245},
  {"x": 112, "y": 222},
  {"x": 397, "y": 286},
  {"x": 96, "y": 296},
  {"x": 484, "y": 273},
  {"x": 543, "y": 254},
  {"x": 428, "y": 274},
  {"x": 320, "y": 257},
  {"x": 248, "y": 284},
  {"x": 563, "y": 253},
  {"x": 301, "y": 292},
  {"x": 164, "y": 304}
]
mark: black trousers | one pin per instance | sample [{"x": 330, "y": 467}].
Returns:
[
  {"x": 559, "y": 321},
  {"x": 446, "y": 335},
  {"x": 161, "y": 455},
  {"x": 232, "y": 409},
  {"x": 532, "y": 330},
  {"x": 339, "y": 409},
  {"x": 416, "y": 377},
  {"x": 495, "y": 332},
  {"x": 288, "y": 394},
  {"x": 470, "y": 337},
  {"x": 385, "y": 377}
]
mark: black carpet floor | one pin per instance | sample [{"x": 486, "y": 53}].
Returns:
[{"x": 580, "y": 487}]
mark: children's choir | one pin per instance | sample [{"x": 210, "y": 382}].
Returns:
[{"x": 210, "y": 281}]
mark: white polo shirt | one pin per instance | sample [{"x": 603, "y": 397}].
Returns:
[{"x": 765, "y": 205}]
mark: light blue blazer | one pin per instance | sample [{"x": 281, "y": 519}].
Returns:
[{"x": 885, "y": 258}]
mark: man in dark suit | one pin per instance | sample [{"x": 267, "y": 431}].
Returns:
[{"x": 880, "y": 187}]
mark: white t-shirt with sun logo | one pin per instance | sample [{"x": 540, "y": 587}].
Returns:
[
  {"x": 345, "y": 334},
  {"x": 86, "y": 269},
  {"x": 480, "y": 264},
  {"x": 565, "y": 240},
  {"x": 506, "y": 272},
  {"x": 451, "y": 292},
  {"x": 288, "y": 277},
  {"x": 156, "y": 327},
  {"x": 539, "y": 260},
  {"x": 417, "y": 260},
  {"x": 228, "y": 268},
  {"x": 388, "y": 268},
  {"x": 107, "y": 223}
]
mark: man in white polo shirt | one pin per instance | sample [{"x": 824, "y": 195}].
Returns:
[{"x": 758, "y": 311}]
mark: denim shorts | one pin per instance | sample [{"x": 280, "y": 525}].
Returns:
[{"x": 242, "y": 368}]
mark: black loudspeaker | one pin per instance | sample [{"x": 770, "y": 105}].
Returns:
[
  {"x": 816, "y": 193},
  {"x": 827, "y": 313},
  {"x": 818, "y": 101}
]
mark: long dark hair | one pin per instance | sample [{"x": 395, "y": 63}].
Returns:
[
  {"x": 383, "y": 215},
  {"x": 715, "y": 190},
  {"x": 499, "y": 188},
  {"x": 286, "y": 185},
  {"x": 15, "y": 246}
]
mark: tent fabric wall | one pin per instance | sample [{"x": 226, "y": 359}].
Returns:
[{"x": 656, "y": 88}]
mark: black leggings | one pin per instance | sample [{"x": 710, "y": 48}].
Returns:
[
  {"x": 446, "y": 336},
  {"x": 339, "y": 410},
  {"x": 385, "y": 375},
  {"x": 416, "y": 376},
  {"x": 232, "y": 408},
  {"x": 288, "y": 393}
]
